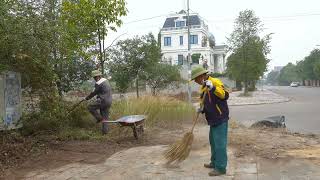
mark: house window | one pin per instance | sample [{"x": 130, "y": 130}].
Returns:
[
  {"x": 180, "y": 23},
  {"x": 167, "y": 41},
  {"x": 193, "y": 39},
  {"x": 181, "y": 40},
  {"x": 180, "y": 59}
]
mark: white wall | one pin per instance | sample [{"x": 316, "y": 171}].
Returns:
[{"x": 170, "y": 53}]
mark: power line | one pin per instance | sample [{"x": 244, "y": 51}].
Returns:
[
  {"x": 146, "y": 19},
  {"x": 271, "y": 18}
]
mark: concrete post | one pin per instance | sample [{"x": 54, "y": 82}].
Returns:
[{"x": 10, "y": 100}]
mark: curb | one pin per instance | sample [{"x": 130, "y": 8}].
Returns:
[{"x": 263, "y": 103}]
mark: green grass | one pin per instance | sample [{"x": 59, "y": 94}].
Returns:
[
  {"x": 160, "y": 111},
  {"x": 163, "y": 112}
]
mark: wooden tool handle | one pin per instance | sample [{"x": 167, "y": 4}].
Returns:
[{"x": 195, "y": 122}]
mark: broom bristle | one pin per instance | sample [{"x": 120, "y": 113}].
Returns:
[{"x": 180, "y": 150}]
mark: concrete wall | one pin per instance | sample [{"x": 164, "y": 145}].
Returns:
[
  {"x": 313, "y": 83},
  {"x": 10, "y": 100}
]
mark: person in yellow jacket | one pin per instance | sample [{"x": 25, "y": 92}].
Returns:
[{"x": 215, "y": 107}]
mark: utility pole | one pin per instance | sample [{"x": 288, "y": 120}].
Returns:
[{"x": 189, "y": 54}]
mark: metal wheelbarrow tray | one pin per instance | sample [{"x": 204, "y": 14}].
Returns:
[{"x": 136, "y": 122}]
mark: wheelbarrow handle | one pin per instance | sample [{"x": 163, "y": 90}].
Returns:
[{"x": 111, "y": 121}]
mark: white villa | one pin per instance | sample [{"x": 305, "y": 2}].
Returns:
[{"x": 204, "y": 51}]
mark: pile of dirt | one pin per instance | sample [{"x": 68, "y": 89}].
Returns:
[
  {"x": 14, "y": 149},
  {"x": 270, "y": 143}
]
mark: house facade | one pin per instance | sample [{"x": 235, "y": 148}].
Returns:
[{"x": 204, "y": 51}]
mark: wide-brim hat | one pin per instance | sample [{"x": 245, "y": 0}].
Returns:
[
  {"x": 96, "y": 73},
  {"x": 198, "y": 71}
]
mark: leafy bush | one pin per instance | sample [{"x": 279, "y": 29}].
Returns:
[
  {"x": 163, "y": 112},
  {"x": 215, "y": 75},
  {"x": 55, "y": 118}
]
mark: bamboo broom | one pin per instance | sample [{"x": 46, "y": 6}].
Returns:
[{"x": 180, "y": 150}]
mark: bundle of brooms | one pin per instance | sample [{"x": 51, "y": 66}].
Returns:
[{"x": 180, "y": 150}]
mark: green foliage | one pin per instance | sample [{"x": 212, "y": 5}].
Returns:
[
  {"x": 90, "y": 22},
  {"x": 130, "y": 58},
  {"x": 273, "y": 77},
  {"x": 309, "y": 67},
  {"x": 195, "y": 58},
  {"x": 53, "y": 118},
  {"x": 216, "y": 74},
  {"x": 160, "y": 76},
  {"x": 39, "y": 43},
  {"x": 288, "y": 74},
  {"x": 212, "y": 41},
  {"x": 316, "y": 70},
  {"x": 248, "y": 60}
]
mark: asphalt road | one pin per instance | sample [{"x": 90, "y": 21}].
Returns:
[{"x": 302, "y": 112}]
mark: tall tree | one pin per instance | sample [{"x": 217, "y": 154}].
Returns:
[
  {"x": 273, "y": 77},
  {"x": 131, "y": 57},
  {"x": 160, "y": 76},
  {"x": 288, "y": 74},
  {"x": 100, "y": 17},
  {"x": 308, "y": 68},
  {"x": 248, "y": 60}
]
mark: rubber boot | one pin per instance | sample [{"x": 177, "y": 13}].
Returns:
[{"x": 104, "y": 126}]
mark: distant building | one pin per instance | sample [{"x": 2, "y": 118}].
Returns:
[
  {"x": 204, "y": 51},
  {"x": 277, "y": 68}
]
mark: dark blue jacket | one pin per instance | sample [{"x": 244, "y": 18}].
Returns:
[{"x": 215, "y": 106}]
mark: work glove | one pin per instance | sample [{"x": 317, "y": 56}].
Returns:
[
  {"x": 209, "y": 84},
  {"x": 200, "y": 110}
]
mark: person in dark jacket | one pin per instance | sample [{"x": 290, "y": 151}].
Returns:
[
  {"x": 215, "y": 107},
  {"x": 103, "y": 102}
]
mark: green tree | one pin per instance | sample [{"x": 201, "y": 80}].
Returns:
[
  {"x": 316, "y": 70},
  {"x": 195, "y": 58},
  {"x": 132, "y": 57},
  {"x": 94, "y": 19},
  {"x": 248, "y": 60},
  {"x": 160, "y": 76},
  {"x": 308, "y": 67},
  {"x": 288, "y": 74},
  {"x": 273, "y": 77}
]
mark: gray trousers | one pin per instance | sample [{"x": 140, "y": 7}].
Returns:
[{"x": 104, "y": 111}]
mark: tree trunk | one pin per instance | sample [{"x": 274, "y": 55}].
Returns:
[
  {"x": 245, "y": 87},
  {"x": 100, "y": 51},
  {"x": 154, "y": 90},
  {"x": 137, "y": 87},
  {"x": 238, "y": 85}
]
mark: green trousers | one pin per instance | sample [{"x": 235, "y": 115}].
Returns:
[{"x": 218, "y": 137}]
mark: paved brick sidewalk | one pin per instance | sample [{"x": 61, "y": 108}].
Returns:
[{"x": 147, "y": 163}]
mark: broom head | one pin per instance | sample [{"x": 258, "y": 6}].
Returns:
[{"x": 180, "y": 150}]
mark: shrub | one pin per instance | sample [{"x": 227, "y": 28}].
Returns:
[
  {"x": 53, "y": 120},
  {"x": 163, "y": 112}
]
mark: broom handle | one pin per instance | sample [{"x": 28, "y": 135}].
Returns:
[
  {"x": 195, "y": 122},
  {"x": 197, "y": 116}
]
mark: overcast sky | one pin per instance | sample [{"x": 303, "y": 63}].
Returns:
[{"x": 295, "y": 23}]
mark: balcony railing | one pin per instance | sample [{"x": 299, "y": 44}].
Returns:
[{"x": 184, "y": 27}]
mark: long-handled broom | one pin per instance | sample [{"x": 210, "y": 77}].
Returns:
[{"x": 180, "y": 150}]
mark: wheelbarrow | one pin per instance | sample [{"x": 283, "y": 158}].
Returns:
[{"x": 136, "y": 122}]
